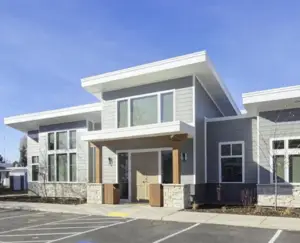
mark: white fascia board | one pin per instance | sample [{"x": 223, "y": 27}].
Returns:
[
  {"x": 223, "y": 86},
  {"x": 153, "y": 130},
  {"x": 54, "y": 113},
  {"x": 272, "y": 95},
  {"x": 153, "y": 67},
  {"x": 228, "y": 118}
]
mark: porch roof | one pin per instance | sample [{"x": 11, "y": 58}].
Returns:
[{"x": 153, "y": 130}]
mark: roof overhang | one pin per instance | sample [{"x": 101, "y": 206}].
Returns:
[
  {"x": 188, "y": 65},
  {"x": 153, "y": 130},
  {"x": 32, "y": 121},
  {"x": 272, "y": 99}
]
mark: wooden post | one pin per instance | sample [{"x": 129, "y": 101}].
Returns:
[
  {"x": 176, "y": 165},
  {"x": 98, "y": 162}
]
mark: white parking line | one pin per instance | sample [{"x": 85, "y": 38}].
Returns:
[
  {"x": 50, "y": 233},
  {"x": 91, "y": 230},
  {"x": 176, "y": 233},
  {"x": 87, "y": 222},
  {"x": 22, "y": 215},
  {"x": 55, "y": 228},
  {"x": 24, "y": 241},
  {"x": 275, "y": 236},
  {"x": 38, "y": 225},
  {"x": 107, "y": 218}
]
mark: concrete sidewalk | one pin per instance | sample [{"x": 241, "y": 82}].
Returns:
[{"x": 166, "y": 214}]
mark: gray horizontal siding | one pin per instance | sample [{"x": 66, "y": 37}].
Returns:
[
  {"x": 275, "y": 124},
  {"x": 183, "y": 92},
  {"x": 204, "y": 107},
  {"x": 232, "y": 130}
]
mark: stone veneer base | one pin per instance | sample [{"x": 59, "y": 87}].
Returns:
[
  {"x": 288, "y": 195},
  {"x": 176, "y": 195},
  {"x": 94, "y": 193}
]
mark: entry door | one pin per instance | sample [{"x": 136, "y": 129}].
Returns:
[{"x": 144, "y": 171}]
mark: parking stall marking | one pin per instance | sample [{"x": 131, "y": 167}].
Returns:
[
  {"x": 91, "y": 230},
  {"x": 23, "y": 215},
  {"x": 177, "y": 233},
  {"x": 86, "y": 222},
  {"x": 275, "y": 236},
  {"x": 59, "y": 228}
]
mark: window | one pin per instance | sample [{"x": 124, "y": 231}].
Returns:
[
  {"x": 51, "y": 141},
  {"x": 144, "y": 110},
  {"x": 62, "y": 167},
  {"x": 123, "y": 113},
  {"x": 167, "y": 107},
  {"x": 61, "y": 140},
  {"x": 150, "y": 109},
  {"x": 72, "y": 139},
  {"x": 51, "y": 168},
  {"x": 35, "y": 168},
  {"x": 72, "y": 167},
  {"x": 286, "y": 160},
  {"x": 231, "y": 162}
]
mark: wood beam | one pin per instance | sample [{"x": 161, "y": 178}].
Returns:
[
  {"x": 98, "y": 163},
  {"x": 176, "y": 161}
]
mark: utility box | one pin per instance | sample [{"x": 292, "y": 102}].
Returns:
[{"x": 156, "y": 195}]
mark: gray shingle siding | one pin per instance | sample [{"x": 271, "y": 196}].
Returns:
[
  {"x": 204, "y": 107},
  {"x": 232, "y": 130},
  {"x": 275, "y": 124},
  {"x": 39, "y": 146}
]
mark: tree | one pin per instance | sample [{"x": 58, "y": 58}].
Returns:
[
  {"x": 23, "y": 151},
  {"x": 2, "y": 160}
]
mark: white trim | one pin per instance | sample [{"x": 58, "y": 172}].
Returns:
[
  {"x": 54, "y": 113},
  {"x": 257, "y": 149},
  {"x": 229, "y": 118},
  {"x": 272, "y": 94},
  {"x": 209, "y": 95},
  {"x": 159, "y": 167},
  {"x": 152, "y": 130},
  {"x": 286, "y": 152},
  {"x": 205, "y": 149},
  {"x": 195, "y": 137},
  {"x": 232, "y": 156}
]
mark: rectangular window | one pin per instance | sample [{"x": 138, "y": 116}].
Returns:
[
  {"x": 167, "y": 107},
  {"x": 278, "y": 144},
  {"x": 72, "y": 137},
  {"x": 35, "y": 168},
  {"x": 51, "y": 141},
  {"x": 294, "y": 144},
  {"x": 231, "y": 161},
  {"x": 35, "y": 159},
  {"x": 278, "y": 168},
  {"x": 51, "y": 168},
  {"x": 62, "y": 167},
  {"x": 72, "y": 167},
  {"x": 144, "y": 111},
  {"x": 61, "y": 140},
  {"x": 122, "y": 113},
  {"x": 294, "y": 168}
]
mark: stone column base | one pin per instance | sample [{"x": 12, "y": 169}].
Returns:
[
  {"x": 176, "y": 195},
  {"x": 94, "y": 193}
]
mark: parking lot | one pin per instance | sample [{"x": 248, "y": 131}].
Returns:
[{"x": 24, "y": 226}]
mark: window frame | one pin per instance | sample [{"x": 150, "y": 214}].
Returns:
[
  {"x": 37, "y": 163},
  {"x": 242, "y": 156},
  {"x": 159, "y": 107},
  {"x": 286, "y": 152},
  {"x": 67, "y": 151}
]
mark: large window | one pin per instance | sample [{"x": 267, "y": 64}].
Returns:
[
  {"x": 51, "y": 141},
  {"x": 72, "y": 139},
  {"x": 231, "y": 156},
  {"x": 144, "y": 110},
  {"x": 61, "y": 140},
  {"x": 62, "y": 167},
  {"x": 35, "y": 168},
  {"x": 286, "y": 160},
  {"x": 72, "y": 167},
  {"x": 51, "y": 167}
]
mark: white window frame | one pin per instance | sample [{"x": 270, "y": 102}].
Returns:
[
  {"x": 35, "y": 164},
  {"x": 67, "y": 151},
  {"x": 159, "y": 108},
  {"x": 232, "y": 156},
  {"x": 286, "y": 152}
]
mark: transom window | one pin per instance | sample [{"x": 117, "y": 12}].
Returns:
[
  {"x": 231, "y": 161},
  {"x": 35, "y": 168},
  {"x": 285, "y": 166},
  {"x": 144, "y": 110}
]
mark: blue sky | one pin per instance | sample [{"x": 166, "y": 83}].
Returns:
[{"x": 47, "y": 46}]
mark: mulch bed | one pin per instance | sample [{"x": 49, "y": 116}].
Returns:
[
  {"x": 37, "y": 199},
  {"x": 248, "y": 210}
]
